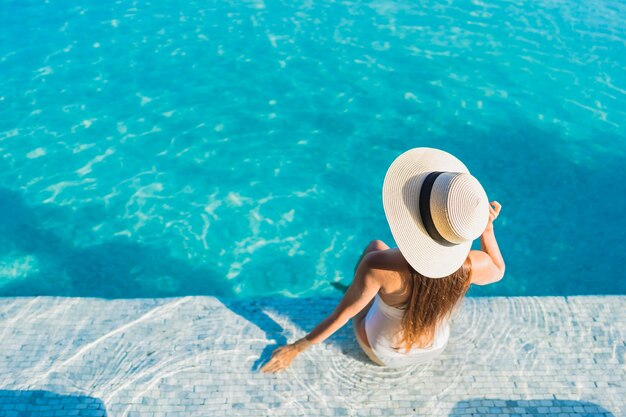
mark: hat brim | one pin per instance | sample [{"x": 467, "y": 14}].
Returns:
[{"x": 402, "y": 184}]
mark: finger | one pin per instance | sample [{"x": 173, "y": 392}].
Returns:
[
  {"x": 267, "y": 366},
  {"x": 271, "y": 368},
  {"x": 276, "y": 368},
  {"x": 277, "y": 362},
  {"x": 272, "y": 363}
]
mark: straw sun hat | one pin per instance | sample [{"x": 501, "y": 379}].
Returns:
[{"x": 435, "y": 209}]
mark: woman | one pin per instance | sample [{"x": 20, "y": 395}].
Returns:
[{"x": 401, "y": 299}]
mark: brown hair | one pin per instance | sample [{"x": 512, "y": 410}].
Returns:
[{"x": 432, "y": 299}]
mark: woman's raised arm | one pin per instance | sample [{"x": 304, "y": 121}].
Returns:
[{"x": 487, "y": 264}]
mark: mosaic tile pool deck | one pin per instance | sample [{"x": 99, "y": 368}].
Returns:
[{"x": 197, "y": 356}]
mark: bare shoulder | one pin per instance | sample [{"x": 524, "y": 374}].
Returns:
[
  {"x": 387, "y": 260},
  {"x": 393, "y": 273},
  {"x": 389, "y": 267}
]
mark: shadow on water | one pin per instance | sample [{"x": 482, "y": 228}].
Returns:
[
  {"x": 557, "y": 199},
  {"x": 46, "y": 403},
  {"x": 548, "y": 407},
  {"x": 117, "y": 269},
  {"x": 114, "y": 269}
]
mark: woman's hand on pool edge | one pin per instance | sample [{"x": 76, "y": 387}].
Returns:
[{"x": 284, "y": 355}]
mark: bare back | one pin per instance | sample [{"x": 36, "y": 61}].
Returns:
[{"x": 395, "y": 275}]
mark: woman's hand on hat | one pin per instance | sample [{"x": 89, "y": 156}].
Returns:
[{"x": 494, "y": 212}]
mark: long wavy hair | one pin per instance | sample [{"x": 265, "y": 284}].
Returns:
[{"x": 431, "y": 301}]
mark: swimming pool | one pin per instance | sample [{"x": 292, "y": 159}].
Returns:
[{"x": 238, "y": 148}]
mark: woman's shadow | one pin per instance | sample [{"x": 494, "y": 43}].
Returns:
[{"x": 118, "y": 267}]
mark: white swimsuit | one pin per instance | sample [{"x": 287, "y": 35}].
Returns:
[{"x": 383, "y": 327}]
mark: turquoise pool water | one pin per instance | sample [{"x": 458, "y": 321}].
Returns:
[{"x": 239, "y": 148}]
